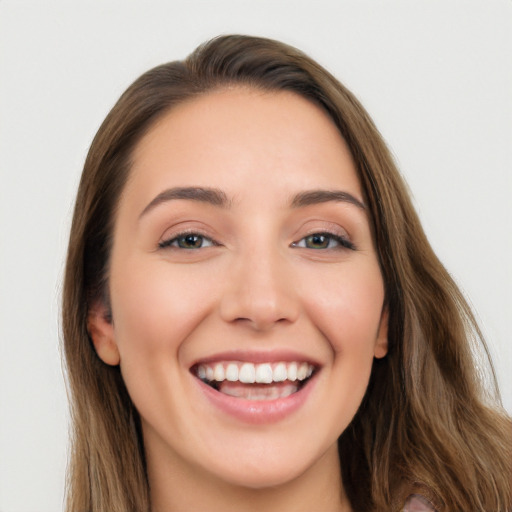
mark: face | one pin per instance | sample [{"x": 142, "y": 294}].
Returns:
[{"x": 246, "y": 293}]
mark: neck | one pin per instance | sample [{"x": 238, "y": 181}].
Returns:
[{"x": 180, "y": 489}]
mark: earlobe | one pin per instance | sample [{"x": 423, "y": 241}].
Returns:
[
  {"x": 101, "y": 331},
  {"x": 381, "y": 343}
]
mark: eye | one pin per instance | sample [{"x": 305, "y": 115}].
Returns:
[
  {"x": 188, "y": 241},
  {"x": 324, "y": 241}
]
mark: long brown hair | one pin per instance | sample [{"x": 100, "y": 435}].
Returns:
[{"x": 427, "y": 419}]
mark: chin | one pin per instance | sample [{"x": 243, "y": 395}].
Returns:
[
  {"x": 274, "y": 465},
  {"x": 249, "y": 477}
]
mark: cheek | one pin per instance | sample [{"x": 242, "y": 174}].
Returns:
[
  {"x": 155, "y": 309},
  {"x": 347, "y": 307},
  {"x": 154, "y": 312}
]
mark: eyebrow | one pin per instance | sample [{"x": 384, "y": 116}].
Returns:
[
  {"x": 311, "y": 197},
  {"x": 217, "y": 197},
  {"x": 207, "y": 195}
]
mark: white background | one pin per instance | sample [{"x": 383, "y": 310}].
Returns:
[{"x": 435, "y": 75}]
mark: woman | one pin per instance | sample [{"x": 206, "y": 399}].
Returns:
[{"x": 253, "y": 317}]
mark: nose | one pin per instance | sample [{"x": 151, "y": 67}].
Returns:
[{"x": 260, "y": 292}]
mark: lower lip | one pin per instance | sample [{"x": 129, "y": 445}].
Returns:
[{"x": 258, "y": 411}]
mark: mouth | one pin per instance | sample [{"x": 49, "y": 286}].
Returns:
[{"x": 266, "y": 381}]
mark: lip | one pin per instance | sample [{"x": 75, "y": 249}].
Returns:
[
  {"x": 257, "y": 412},
  {"x": 244, "y": 356}
]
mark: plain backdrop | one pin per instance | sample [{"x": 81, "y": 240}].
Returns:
[{"x": 435, "y": 75}]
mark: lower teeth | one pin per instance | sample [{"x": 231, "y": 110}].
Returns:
[{"x": 255, "y": 391}]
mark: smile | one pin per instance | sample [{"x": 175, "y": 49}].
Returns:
[{"x": 249, "y": 381}]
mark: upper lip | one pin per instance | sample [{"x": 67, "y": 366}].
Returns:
[{"x": 257, "y": 356}]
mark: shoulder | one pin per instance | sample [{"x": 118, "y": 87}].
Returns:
[{"x": 418, "y": 503}]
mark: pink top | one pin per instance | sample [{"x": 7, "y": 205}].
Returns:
[{"x": 417, "y": 503}]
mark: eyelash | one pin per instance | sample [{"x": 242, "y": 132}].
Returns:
[
  {"x": 342, "y": 242},
  {"x": 174, "y": 242}
]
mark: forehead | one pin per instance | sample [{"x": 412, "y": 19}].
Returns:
[{"x": 234, "y": 138}]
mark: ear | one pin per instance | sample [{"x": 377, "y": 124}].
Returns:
[
  {"x": 101, "y": 330},
  {"x": 381, "y": 343}
]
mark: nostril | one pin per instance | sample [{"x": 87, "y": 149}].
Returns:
[{"x": 261, "y": 324}]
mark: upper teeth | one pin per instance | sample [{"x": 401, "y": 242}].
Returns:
[{"x": 249, "y": 373}]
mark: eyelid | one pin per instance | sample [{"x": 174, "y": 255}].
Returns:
[{"x": 330, "y": 228}]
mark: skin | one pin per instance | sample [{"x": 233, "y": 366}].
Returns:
[{"x": 260, "y": 286}]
